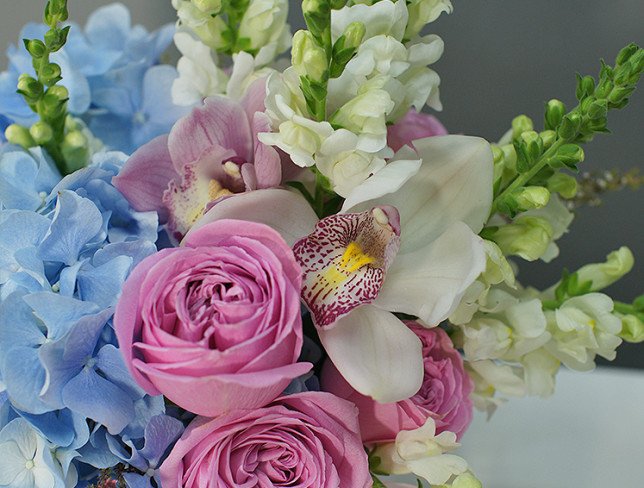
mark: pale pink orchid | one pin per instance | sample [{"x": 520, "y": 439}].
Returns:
[
  {"x": 406, "y": 241},
  {"x": 211, "y": 153}
]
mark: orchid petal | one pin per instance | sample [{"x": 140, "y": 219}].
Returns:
[
  {"x": 453, "y": 184},
  {"x": 344, "y": 261},
  {"x": 286, "y": 212},
  {"x": 146, "y": 175},
  {"x": 430, "y": 282},
  {"x": 220, "y": 121},
  {"x": 254, "y": 97},
  {"x": 377, "y": 354},
  {"x": 267, "y": 162},
  {"x": 388, "y": 180}
]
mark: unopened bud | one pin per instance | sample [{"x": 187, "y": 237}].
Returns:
[
  {"x": 41, "y": 132},
  {"x": 563, "y": 184},
  {"x": 569, "y": 127},
  {"x": 56, "y": 38},
  {"x": 548, "y": 137},
  {"x": 555, "y": 110},
  {"x": 570, "y": 154},
  {"x": 59, "y": 91},
  {"x": 617, "y": 264},
  {"x": 527, "y": 237},
  {"x": 36, "y": 48},
  {"x": 75, "y": 150},
  {"x": 585, "y": 87},
  {"x": 632, "y": 328},
  {"x": 50, "y": 73},
  {"x": 532, "y": 197},
  {"x": 521, "y": 124},
  {"x": 19, "y": 135},
  {"x": 625, "y": 54},
  {"x": 307, "y": 57},
  {"x": 208, "y": 6},
  {"x": 30, "y": 87}
]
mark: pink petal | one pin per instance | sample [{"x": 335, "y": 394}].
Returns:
[
  {"x": 344, "y": 261},
  {"x": 268, "y": 165},
  {"x": 220, "y": 121},
  {"x": 413, "y": 126},
  {"x": 146, "y": 176},
  {"x": 253, "y": 100}
]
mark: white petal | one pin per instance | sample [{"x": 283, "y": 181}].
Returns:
[
  {"x": 453, "y": 184},
  {"x": 430, "y": 282},
  {"x": 287, "y": 212},
  {"x": 388, "y": 180},
  {"x": 12, "y": 462},
  {"x": 437, "y": 470},
  {"x": 376, "y": 353}
]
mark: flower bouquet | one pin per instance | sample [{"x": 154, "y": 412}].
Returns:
[{"x": 248, "y": 272}]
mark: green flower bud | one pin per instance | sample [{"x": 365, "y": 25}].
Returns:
[
  {"x": 36, "y": 48},
  {"x": 563, "y": 184},
  {"x": 50, "y": 73},
  {"x": 56, "y": 38},
  {"x": 555, "y": 110},
  {"x": 569, "y": 127},
  {"x": 521, "y": 124},
  {"x": 585, "y": 87},
  {"x": 466, "y": 480},
  {"x": 59, "y": 91},
  {"x": 346, "y": 47},
  {"x": 19, "y": 135},
  {"x": 41, "y": 132},
  {"x": 75, "y": 150},
  {"x": 510, "y": 156},
  {"x": 570, "y": 154},
  {"x": 626, "y": 53},
  {"x": 527, "y": 237},
  {"x": 533, "y": 197},
  {"x": 598, "y": 110},
  {"x": 532, "y": 145},
  {"x": 548, "y": 137},
  {"x": 632, "y": 328},
  {"x": 497, "y": 154},
  {"x": 317, "y": 14},
  {"x": 30, "y": 87},
  {"x": 307, "y": 57},
  {"x": 353, "y": 35},
  {"x": 617, "y": 264},
  {"x": 51, "y": 107},
  {"x": 618, "y": 94},
  {"x": 56, "y": 11}
]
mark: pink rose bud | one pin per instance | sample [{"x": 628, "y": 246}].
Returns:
[
  {"x": 305, "y": 440},
  {"x": 215, "y": 325},
  {"x": 444, "y": 395},
  {"x": 411, "y": 127}
]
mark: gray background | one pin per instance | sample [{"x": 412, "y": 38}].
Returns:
[{"x": 502, "y": 58}]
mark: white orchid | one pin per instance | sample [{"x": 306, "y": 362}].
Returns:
[{"x": 402, "y": 244}]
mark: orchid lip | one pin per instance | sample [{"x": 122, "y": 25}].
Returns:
[{"x": 345, "y": 259}]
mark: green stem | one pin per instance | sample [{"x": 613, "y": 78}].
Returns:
[{"x": 524, "y": 178}]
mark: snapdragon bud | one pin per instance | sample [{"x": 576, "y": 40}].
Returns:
[
  {"x": 56, "y": 11},
  {"x": 632, "y": 328},
  {"x": 532, "y": 197},
  {"x": 563, "y": 184},
  {"x": 521, "y": 124},
  {"x": 555, "y": 110},
  {"x": 548, "y": 137},
  {"x": 532, "y": 144},
  {"x": 19, "y": 135},
  {"x": 585, "y": 87},
  {"x": 30, "y": 87},
  {"x": 527, "y": 237},
  {"x": 51, "y": 106},
  {"x": 466, "y": 480},
  {"x": 626, "y": 54},
  {"x": 617, "y": 264},
  {"x": 50, "y": 73},
  {"x": 317, "y": 14},
  {"x": 569, "y": 127},
  {"x": 41, "y": 132},
  {"x": 307, "y": 57},
  {"x": 570, "y": 155},
  {"x": 346, "y": 47},
  {"x": 75, "y": 150},
  {"x": 36, "y": 48},
  {"x": 264, "y": 22},
  {"x": 56, "y": 38}
]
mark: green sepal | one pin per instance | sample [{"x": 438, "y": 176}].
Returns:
[{"x": 56, "y": 38}]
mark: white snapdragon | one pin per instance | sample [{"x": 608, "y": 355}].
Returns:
[
  {"x": 244, "y": 73},
  {"x": 199, "y": 16},
  {"x": 265, "y": 26},
  {"x": 422, "y": 12},
  {"x": 199, "y": 75},
  {"x": 617, "y": 264},
  {"x": 296, "y": 134},
  {"x": 559, "y": 219},
  {"x": 366, "y": 115},
  {"x": 490, "y": 378},
  {"x": 384, "y": 17},
  {"x": 423, "y": 453},
  {"x": 583, "y": 327},
  {"x": 340, "y": 160}
]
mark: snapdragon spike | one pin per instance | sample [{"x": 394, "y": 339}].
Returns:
[{"x": 345, "y": 260}]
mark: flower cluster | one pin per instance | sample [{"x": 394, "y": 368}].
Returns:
[{"x": 297, "y": 278}]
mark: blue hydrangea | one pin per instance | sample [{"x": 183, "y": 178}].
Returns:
[
  {"x": 111, "y": 71},
  {"x": 66, "y": 247}
]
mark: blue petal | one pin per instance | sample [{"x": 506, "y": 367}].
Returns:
[
  {"x": 96, "y": 452},
  {"x": 110, "y": 363},
  {"x": 98, "y": 399},
  {"x": 102, "y": 285},
  {"x": 76, "y": 222},
  {"x": 58, "y": 313},
  {"x": 75, "y": 82},
  {"x": 161, "y": 433},
  {"x": 61, "y": 427},
  {"x": 24, "y": 377},
  {"x": 85, "y": 57},
  {"x": 145, "y": 408},
  {"x": 18, "y": 325},
  {"x": 133, "y": 480},
  {"x": 108, "y": 27},
  {"x": 137, "y": 250}
]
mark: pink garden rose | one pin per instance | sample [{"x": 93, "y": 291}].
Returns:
[
  {"x": 411, "y": 127},
  {"x": 305, "y": 440},
  {"x": 215, "y": 324},
  {"x": 444, "y": 395}
]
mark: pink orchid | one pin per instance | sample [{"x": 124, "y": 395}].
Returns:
[
  {"x": 401, "y": 245},
  {"x": 211, "y": 153}
]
